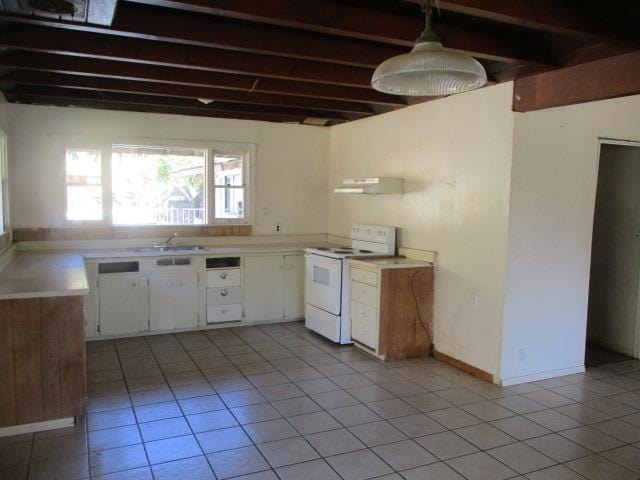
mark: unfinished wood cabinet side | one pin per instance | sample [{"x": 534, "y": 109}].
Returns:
[
  {"x": 402, "y": 334},
  {"x": 42, "y": 359}
]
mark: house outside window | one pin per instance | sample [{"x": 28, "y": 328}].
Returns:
[{"x": 160, "y": 183}]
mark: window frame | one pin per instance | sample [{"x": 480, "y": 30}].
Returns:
[
  {"x": 246, "y": 150},
  {"x": 4, "y": 184},
  {"x": 248, "y": 186}
]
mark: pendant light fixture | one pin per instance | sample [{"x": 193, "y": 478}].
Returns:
[{"x": 429, "y": 69}]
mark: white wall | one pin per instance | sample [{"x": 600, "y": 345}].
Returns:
[
  {"x": 455, "y": 155},
  {"x": 551, "y": 208},
  {"x": 292, "y": 161}
]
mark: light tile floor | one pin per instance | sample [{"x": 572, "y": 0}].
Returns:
[{"x": 277, "y": 402}]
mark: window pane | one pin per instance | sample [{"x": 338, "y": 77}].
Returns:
[
  {"x": 84, "y": 203},
  {"x": 83, "y": 166},
  {"x": 229, "y": 202},
  {"x": 158, "y": 185},
  {"x": 227, "y": 170}
]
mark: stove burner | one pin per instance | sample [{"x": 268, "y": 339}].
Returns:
[
  {"x": 365, "y": 251},
  {"x": 343, "y": 251},
  {"x": 345, "y": 248},
  {"x": 321, "y": 248}
]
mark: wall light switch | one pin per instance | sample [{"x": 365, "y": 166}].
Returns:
[{"x": 475, "y": 300}]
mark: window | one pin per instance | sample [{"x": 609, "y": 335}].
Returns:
[
  {"x": 229, "y": 186},
  {"x": 147, "y": 184},
  {"x": 158, "y": 185},
  {"x": 83, "y": 185}
]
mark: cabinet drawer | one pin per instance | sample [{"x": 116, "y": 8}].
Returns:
[
  {"x": 364, "y": 276},
  {"x": 223, "y": 278},
  {"x": 363, "y": 293},
  {"x": 224, "y": 313},
  {"x": 224, "y": 295},
  {"x": 364, "y": 324}
]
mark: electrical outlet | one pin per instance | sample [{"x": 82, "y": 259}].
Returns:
[
  {"x": 475, "y": 300},
  {"x": 521, "y": 355}
]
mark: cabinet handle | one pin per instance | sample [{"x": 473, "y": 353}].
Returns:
[
  {"x": 224, "y": 310},
  {"x": 224, "y": 292},
  {"x": 223, "y": 275}
]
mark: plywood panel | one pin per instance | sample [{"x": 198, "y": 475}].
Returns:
[
  {"x": 70, "y": 323},
  {"x": 405, "y": 320},
  {"x": 120, "y": 232},
  {"x": 27, "y": 364},
  {"x": 7, "y": 383},
  {"x": 42, "y": 359}
]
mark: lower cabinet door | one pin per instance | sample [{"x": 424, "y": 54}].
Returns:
[
  {"x": 120, "y": 304},
  {"x": 173, "y": 301},
  {"x": 364, "y": 324},
  {"x": 263, "y": 287},
  {"x": 294, "y": 286}
]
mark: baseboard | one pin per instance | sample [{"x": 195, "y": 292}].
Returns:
[
  {"x": 213, "y": 326},
  {"x": 37, "y": 427},
  {"x": 610, "y": 346},
  {"x": 465, "y": 367},
  {"x": 534, "y": 377}
]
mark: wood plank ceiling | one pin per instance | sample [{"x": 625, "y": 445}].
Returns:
[{"x": 305, "y": 61}]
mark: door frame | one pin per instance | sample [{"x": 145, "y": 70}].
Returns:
[{"x": 626, "y": 143}]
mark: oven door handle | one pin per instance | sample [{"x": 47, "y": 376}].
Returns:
[{"x": 320, "y": 260}]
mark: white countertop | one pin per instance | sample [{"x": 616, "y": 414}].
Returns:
[
  {"x": 211, "y": 250},
  {"x": 392, "y": 262},
  {"x": 43, "y": 274}
]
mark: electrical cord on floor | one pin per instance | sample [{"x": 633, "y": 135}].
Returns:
[{"x": 415, "y": 299}]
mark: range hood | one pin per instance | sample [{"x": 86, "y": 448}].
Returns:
[{"x": 370, "y": 185}]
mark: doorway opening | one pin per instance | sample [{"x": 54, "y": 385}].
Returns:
[{"x": 613, "y": 329}]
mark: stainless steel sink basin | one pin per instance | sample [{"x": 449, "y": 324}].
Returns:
[{"x": 171, "y": 248}]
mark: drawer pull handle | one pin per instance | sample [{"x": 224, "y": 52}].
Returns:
[
  {"x": 224, "y": 310},
  {"x": 223, "y": 275},
  {"x": 224, "y": 292}
]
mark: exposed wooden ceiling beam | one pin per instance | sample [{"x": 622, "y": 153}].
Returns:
[
  {"x": 139, "y": 21},
  {"x": 139, "y": 107},
  {"x": 363, "y": 23},
  {"x": 576, "y": 19},
  {"x": 25, "y": 77},
  {"x": 197, "y": 78},
  {"x": 44, "y": 93},
  {"x": 43, "y": 39},
  {"x": 607, "y": 78},
  {"x": 217, "y": 32}
]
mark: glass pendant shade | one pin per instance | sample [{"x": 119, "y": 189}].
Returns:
[{"x": 429, "y": 70}]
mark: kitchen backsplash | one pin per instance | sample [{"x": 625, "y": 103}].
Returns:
[{"x": 116, "y": 233}]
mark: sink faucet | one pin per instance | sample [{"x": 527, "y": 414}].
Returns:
[{"x": 168, "y": 241}]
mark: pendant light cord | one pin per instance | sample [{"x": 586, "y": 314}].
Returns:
[{"x": 427, "y": 8}]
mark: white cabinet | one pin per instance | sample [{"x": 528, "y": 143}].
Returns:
[
  {"x": 120, "y": 304},
  {"x": 173, "y": 301},
  {"x": 293, "y": 286},
  {"x": 263, "y": 287},
  {"x": 273, "y": 287}
]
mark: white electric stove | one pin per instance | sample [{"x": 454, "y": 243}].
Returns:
[{"x": 328, "y": 279}]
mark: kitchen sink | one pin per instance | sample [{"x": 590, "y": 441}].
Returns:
[{"x": 171, "y": 248}]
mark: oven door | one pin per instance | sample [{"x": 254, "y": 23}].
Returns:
[{"x": 323, "y": 282}]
